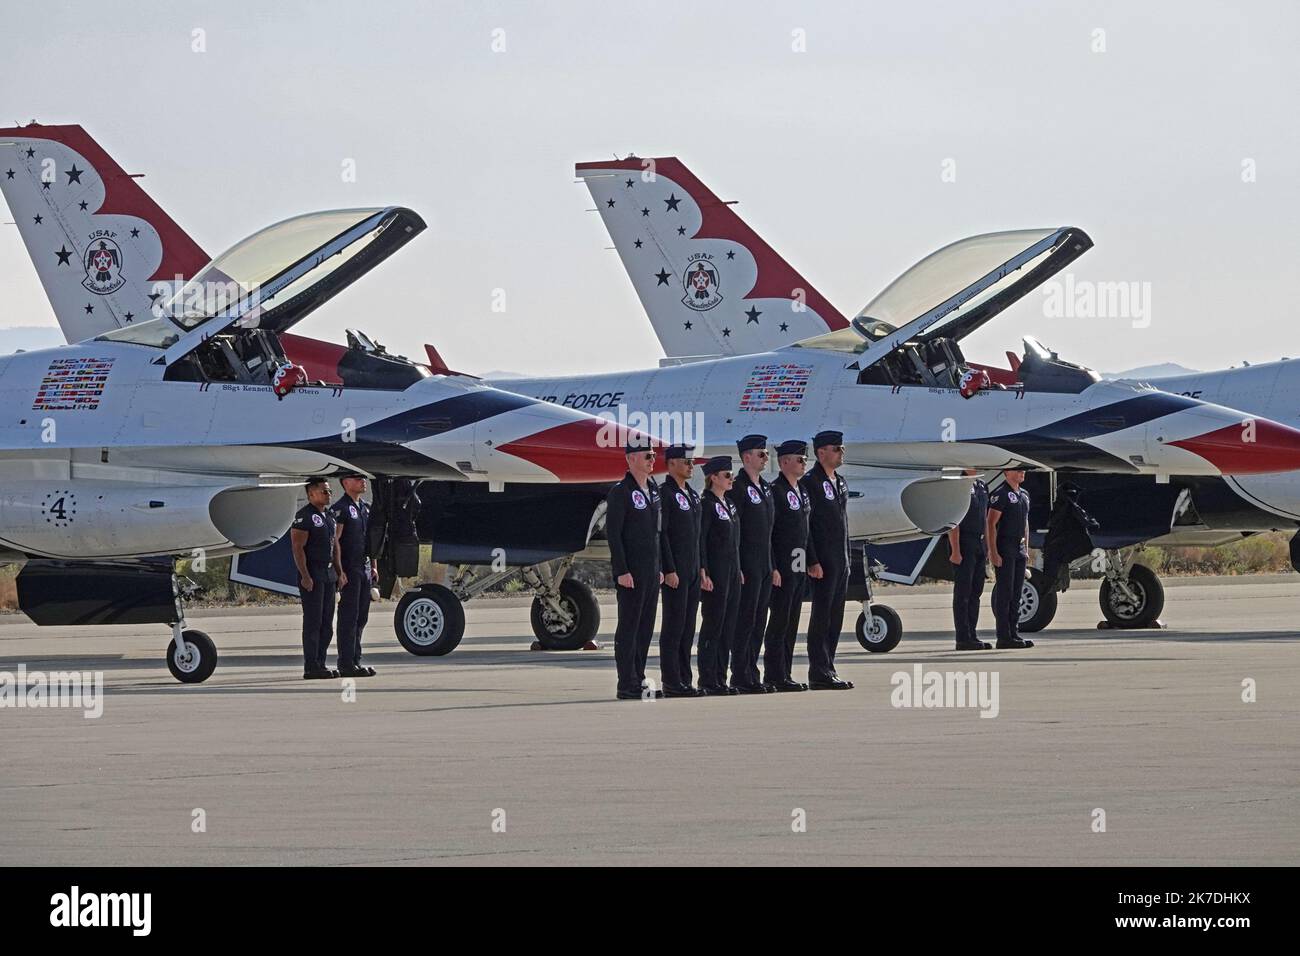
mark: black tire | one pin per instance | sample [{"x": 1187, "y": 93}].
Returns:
[
  {"x": 198, "y": 663},
  {"x": 1151, "y": 599},
  {"x": 886, "y": 630},
  {"x": 1037, "y": 604},
  {"x": 580, "y": 601},
  {"x": 429, "y": 621}
]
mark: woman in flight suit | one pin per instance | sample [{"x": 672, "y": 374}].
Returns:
[{"x": 720, "y": 577}]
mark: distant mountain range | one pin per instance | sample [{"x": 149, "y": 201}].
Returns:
[{"x": 1163, "y": 370}]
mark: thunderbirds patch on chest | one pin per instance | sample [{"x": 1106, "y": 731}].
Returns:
[
  {"x": 72, "y": 384},
  {"x": 683, "y": 502},
  {"x": 754, "y": 496},
  {"x": 318, "y": 521},
  {"x": 1011, "y": 497},
  {"x": 723, "y": 513},
  {"x": 828, "y": 490},
  {"x": 793, "y": 500},
  {"x": 775, "y": 387},
  {"x": 352, "y": 511},
  {"x": 638, "y": 500}
]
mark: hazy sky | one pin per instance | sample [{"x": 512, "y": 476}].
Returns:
[{"x": 837, "y": 153}]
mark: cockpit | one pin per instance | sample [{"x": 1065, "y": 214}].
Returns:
[
  {"x": 224, "y": 324},
  {"x": 909, "y": 334}
]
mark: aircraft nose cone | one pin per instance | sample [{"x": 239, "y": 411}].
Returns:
[
  {"x": 588, "y": 450},
  {"x": 1252, "y": 446}
]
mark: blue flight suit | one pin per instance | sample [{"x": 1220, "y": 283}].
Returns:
[
  {"x": 679, "y": 546},
  {"x": 720, "y": 558},
  {"x": 969, "y": 576},
  {"x": 632, "y": 522},
  {"x": 756, "y": 513},
  {"x": 318, "y": 603},
  {"x": 1011, "y": 547},
  {"x": 354, "y": 598}
]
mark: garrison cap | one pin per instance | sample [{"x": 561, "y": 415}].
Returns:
[
  {"x": 636, "y": 443},
  {"x": 750, "y": 442},
  {"x": 822, "y": 439},
  {"x": 717, "y": 463},
  {"x": 678, "y": 451},
  {"x": 792, "y": 447}
]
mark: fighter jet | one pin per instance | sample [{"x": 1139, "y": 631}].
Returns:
[
  {"x": 757, "y": 282},
  {"x": 191, "y": 432},
  {"x": 892, "y": 380}
]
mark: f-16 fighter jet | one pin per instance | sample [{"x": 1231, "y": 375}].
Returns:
[{"x": 191, "y": 432}]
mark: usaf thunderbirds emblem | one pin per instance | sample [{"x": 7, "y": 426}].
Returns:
[
  {"x": 793, "y": 499},
  {"x": 103, "y": 264},
  {"x": 700, "y": 280},
  {"x": 638, "y": 500},
  {"x": 318, "y": 521},
  {"x": 682, "y": 503},
  {"x": 722, "y": 512},
  {"x": 828, "y": 490},
  {"x": 753, "y": 495}
]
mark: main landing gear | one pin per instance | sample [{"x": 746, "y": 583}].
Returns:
[{"x": 430, "y": 619}]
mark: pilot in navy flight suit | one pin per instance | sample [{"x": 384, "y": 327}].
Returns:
[
  {"x": 968, "y": 555},
  {"x": 632, "y": 528},
  {"x": 752, "y": 497},
  {"x": 352, "y": 515},
  {"x": 792, "y": 553},
  {"x": 316, "y": 553},
  {"x": 679, "y": 547},
  {"x": 719, "y": 575},
  {"x": 1008, "y": 540},
  {"x": 828, "y": 528}
]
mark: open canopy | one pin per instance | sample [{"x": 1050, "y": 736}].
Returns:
[
  {"x": 277, "y": 276},
  {"x": 952, "y": 292}
]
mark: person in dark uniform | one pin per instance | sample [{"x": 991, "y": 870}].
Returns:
[
  {"x": 352, "y": 520},
  {"x": 792, "y": 553},
  {"x": 632, "y": 527},
  {"x": 720, "y": 576},
  {"x": 751, "y": 496},
  {"x": 968, "y": 556},
  {"x": 316, "y": 553},
  {"x": 828, "y": 533},
  {"x": 1008, "y": 540},
  {"x": 679, "y": 550}
]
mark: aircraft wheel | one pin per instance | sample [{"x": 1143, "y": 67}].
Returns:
[
  {"x": 429, "y": 621},
  {"x": 882, "y": 632},
  {"x": 197, "y": 663},
  {"x": 1140, "y": 611},
  {"x": 1037, "y": 604},
  {"x": 580, "y": 602}
]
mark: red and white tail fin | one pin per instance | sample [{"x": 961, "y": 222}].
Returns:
[
  {"x": 710, "y": 285},
  {"x": 101, "y": 246}
]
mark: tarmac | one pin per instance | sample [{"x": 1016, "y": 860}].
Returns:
[{"x": 1108, "y": 747}]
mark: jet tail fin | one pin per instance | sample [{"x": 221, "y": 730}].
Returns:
[
  {"x": 100, "y": 244},
  {"x": 710, "y": 285}
]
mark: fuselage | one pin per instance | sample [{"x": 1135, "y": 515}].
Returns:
[
  {"x": 110, "y": 403},
  {"x": 1270, "y": 390},
  {"x": 794, "y": 393}
]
